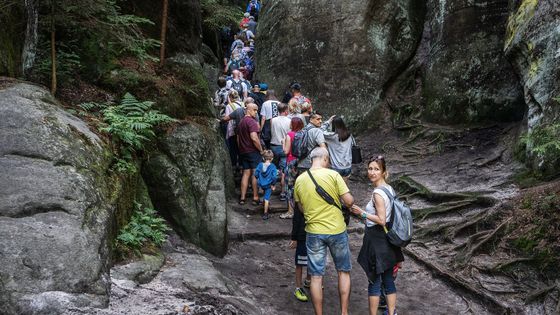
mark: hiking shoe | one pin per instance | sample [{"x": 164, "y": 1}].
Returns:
[
  {"x": 300, "y": 295},
  {"x": 282, "y": 196},
  {"x": 287, "y": 215},
  {"x": 306, "y": 283},
  {"x": 265, "y": 216}
]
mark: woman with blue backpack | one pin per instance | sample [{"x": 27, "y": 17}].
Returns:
[{"x": 377, "y": 256}]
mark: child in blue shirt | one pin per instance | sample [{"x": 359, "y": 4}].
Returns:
[{"x": 266, "y": 174}]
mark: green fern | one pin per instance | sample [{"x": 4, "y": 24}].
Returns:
[
  {"x": 145, "y": 227},
  {"x": 132, "y": 123}
]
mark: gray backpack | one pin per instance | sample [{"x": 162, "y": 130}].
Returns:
[{"x": 400, "y": 233}]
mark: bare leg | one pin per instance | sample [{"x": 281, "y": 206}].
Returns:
[
  {"x": 391, "y": 303},
  {"x": 266, "y": 206},
  {"x": 317, "y": 294},
  {"x": 282, "y": 184},
  {"x": 299, "y": 273},
  {"x": 344, "y": 291},
  {"x": 245, "y": 183},
  {"x": 254, "y": 185},
  {"x": 373, "y": 304}
]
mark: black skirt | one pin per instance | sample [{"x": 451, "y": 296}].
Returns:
[{"x": 377, "y": 254}]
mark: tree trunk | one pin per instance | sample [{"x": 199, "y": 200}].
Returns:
[
  {"x": 29, "y": 52},
  {"x": 163, "y": 32},
  {"x": 53, "y": 48}
]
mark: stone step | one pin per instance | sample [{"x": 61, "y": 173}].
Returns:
[{"x": 249, "y": 208}]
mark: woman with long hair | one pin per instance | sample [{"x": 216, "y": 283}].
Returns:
[
  {"x": 291, "y": 170},
  {"x": 377, "y": 256},
  {"x": 339, "y": 144},
  {"x": 234, "y": 102}
]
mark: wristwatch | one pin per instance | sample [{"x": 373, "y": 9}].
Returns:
[{"x": 364, "y": 215}]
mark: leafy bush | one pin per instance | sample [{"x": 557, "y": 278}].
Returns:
[
  {"x": 544, "y": 141},
  {"x": 145, "y": 228},
  {"x": 217, "y": 14},
  {"x": 132, "y": 123}
]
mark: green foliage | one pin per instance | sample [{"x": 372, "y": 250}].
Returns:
[
  {"x": 133, "y": 124},
  {"x": 538, "y": 230},
  {"x": 91, "y": 33},
  {"x": 544, "y": 140},
  {"x": 217, "y": 14},
  {"x": 145, "y": 228}
]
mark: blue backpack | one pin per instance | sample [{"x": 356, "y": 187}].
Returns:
[{"x": 400, "y": 233}]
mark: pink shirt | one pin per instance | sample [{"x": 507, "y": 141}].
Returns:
[{"x": 290, "y": 157}]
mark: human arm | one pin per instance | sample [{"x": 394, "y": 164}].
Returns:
[
  {"x": 256, "y": 141},
  {"x": 287, "y": 146},
  {"x": 379, "y": 217}
]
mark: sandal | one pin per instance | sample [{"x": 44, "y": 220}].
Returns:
[
  {"x": 241, "y": 201},
  {"x": 256, "y": 202}
]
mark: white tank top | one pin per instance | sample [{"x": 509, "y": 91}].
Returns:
[{"x": 370, "y": 208}]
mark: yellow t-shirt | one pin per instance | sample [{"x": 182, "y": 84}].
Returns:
[{"x": 321, "y": 217}]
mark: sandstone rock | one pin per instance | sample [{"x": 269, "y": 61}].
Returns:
[
  {"x": 141, "y": 271},
  {"x": 443, "y": 57},
  {"x": 342, "y": 52},
  {"x": 532, "y": 44},
  {"x": 188, "y": 183},
  {"x": 466, "y": 77},
  {"x": 55, "y": 206}
]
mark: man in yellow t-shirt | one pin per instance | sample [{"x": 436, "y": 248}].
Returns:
[{"x": 325, "y": 227}]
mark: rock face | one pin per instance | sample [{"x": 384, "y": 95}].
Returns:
[
  {"x": 188, "y": 182},
  {"x": 532, "y": 44},
  {"x": 56, "y": 210},
  {"x": 466, "y": 77},
  {"x": 444, "y": 57}
]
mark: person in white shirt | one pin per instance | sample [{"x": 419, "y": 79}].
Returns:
[{"x": 280, "y": 126}]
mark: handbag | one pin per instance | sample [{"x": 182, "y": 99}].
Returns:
[
  {"x": 356, "y": 152},
  {"x": 330, "y": 200}
]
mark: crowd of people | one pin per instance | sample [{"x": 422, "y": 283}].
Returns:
[{"x": 286, "y": 142}]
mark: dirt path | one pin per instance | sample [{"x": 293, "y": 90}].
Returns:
[{"x": 456, "y": 181}]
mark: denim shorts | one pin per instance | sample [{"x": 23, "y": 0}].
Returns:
[
  {"x": 317, "y": 245},
  {"x": 279, "y": 156},
  {"x": 343, "y": 172}
]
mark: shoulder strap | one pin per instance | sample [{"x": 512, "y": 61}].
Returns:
[
  {"x": 353, "y": 140},
  {"x": 331, "y": 202},
  {"x": 389, "y": 195}
]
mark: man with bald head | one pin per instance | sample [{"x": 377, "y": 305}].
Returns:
[
  {"x": 237, "y": 84},
  {"x": 250, "y": 151}
]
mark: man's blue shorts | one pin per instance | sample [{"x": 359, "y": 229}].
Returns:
[{"x": 317, "y": 245}]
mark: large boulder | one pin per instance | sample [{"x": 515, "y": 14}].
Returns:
[
  {"x": 532, "y": 44},
  {"x": 189, "y": 180},
  {"x": 56, "y": 206},
  {"x": 466, "y": 77},
  {"x": 342, "y": 52},
  {"x": 443, "y": 57}
]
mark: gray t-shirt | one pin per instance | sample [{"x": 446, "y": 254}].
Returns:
[
  {"x": 314, "y": 139},
  {"x": 340, "y": 152},
  {"x": 280, "y": 126}
]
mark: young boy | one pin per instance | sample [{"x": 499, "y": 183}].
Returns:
[
  {"x": 266, "y": 174},
  {"x": 298, "y": 242}
]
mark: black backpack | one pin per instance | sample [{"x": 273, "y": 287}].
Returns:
[{"x": 238, "y": 86}]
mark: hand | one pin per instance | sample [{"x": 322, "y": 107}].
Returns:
[
  {"x": 293, "y": 244},
  {"x": 331, "y": 118},
  {"x": 356, "y": 210},
  {"x": 273, "y": 188}
]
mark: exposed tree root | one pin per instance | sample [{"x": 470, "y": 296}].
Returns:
[
  {"x": 492, "y": 159},
  {"x": 476, "y": 241},
  {"x": 533, "y": 296},
  {"x": 505, "y": 264},
  {"x": 443, "y": 208},
  {"x": 498, "y": 305},
  {"x": 469, "y": 307},
  {"x": 472, "y": 220}
]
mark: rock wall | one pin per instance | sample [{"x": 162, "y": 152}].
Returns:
[
  {"x": 444, "y": 57},
  {"x": 57, "y": 206},
  {"x": 532, "y": 44},
  {"x": 189, "y": 181}
]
